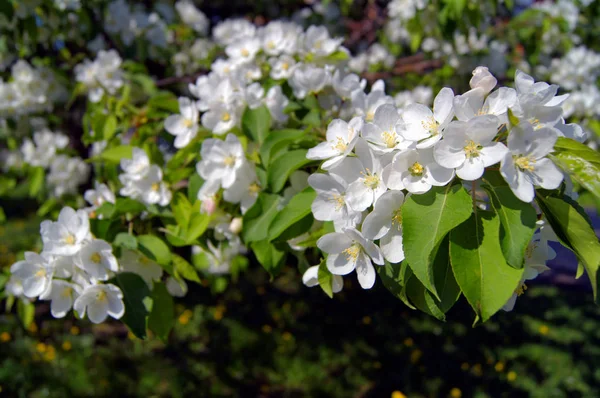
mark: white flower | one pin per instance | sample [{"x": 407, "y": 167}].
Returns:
[
  {"x": 221, "y": 160},
  {"x": 341, "y": 139},
  {"x": 366, "y": 104},
  {"x": 96, "y": 258},
  {"x": 192, "y": 16},
  {"x": 330, "y": 203},
  {"x": 368, "y": 183},
  {"x": 345, "y": 84},
  {"x": 243, "y": 50},
  {"x": 100, "y": 301},
  {"x": 416, "y": 171},
  {"x": 382, "y": 134},
  {"x": 98, "y": 196},
  {"x": 385, "y": 223},
  {"x": 282, "y": 67},
  {"x": 139, "y": 264},
  {"x": 66, "y": 174},
  {"x": 482, "y": 78},
  {"x": 137, "y": 166},
  {"x": 67, "y": 235},
  {"x": 308, "y": 79},
  {"x": 232, "y": 30},
  {"x": 423, "y": 125},
  {"x": 310, "y": 278},
  {"x": 349, "y": 250},
  {"x": 222, "y": 118},
  {"x": 184, "y": 126},
  {"x": 469, "y": 148},
  {"x": 317, "y": 41},
  {"x": 62, "y": 295},
  {"x": 244, "y": 190},
  {"x": 279, "y": 37},
  {"x": 147, "y": 187},
  {"x": 473, "y": 103},
  {"x": 276, "y": 102},
  {"x": 254, "y": 94},
  {"x": 525, "y": 165},
  {"x": 35, "y": 273}
]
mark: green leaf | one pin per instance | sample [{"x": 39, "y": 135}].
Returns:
[
  {"x": 194, "y": 184},
  {"x": 268, "y": 256},
  {"x": 135, "y": 290},
  {"x": 443, "y": 277},
  {"x": 123, "y": 239},
  {"x": 581, "y": 169},
  {"x": 422, "y": 298},
  {"x": 182, "y": 209},
  {"x": 197, "y": 226},
  {"x": 517, "y": 219},
  {"x": 106, "y": 210},
  {"x": 583, "y": 151},
  {"x": 115, "y": 154},
  {"x": 128, "y": 206},
  {"x": 165, "y": 101},
  {"x": 575, "y": 232},
  {"x": 479, "y": 267},
  {"x": 394, "y": 278},
  {"x": 426, "y": 219},
  {"x": 162, "y": 316},
  {"x": 36, "y": 182},
  {"x": 154, "y": 248},
  {"x": 26, "y": 312},
  {"x": 184, "y": 269},
  {"x": 297, "y": 209},
  {"x": 256, "y": 123},
  {"x": 325, "y": 278},
  {"x": 109, "y": 128},
  {"x": 258, "y": 218},
  {"x": 282, "y": 167},
  {"x": 277, "y": 139}
]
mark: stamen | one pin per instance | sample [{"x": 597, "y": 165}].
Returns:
[{"x": 352, "y": 252}]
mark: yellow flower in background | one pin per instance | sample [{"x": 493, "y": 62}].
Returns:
[
  {"x": 455, "y": 393},
  {"x": 5, "y": 337},
  {"x": 398, "y": 394},
  {"x": 511, "y": 376},
  {"x": 544, "y": 329},
  {"x": 67, "y": 346},
  {"x": 499, "y": 366}
]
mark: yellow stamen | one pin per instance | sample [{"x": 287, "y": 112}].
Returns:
[
  {"x": 390, "y": 139},
  {"x": 96, "y": 258},
  {"x": 41, "y": 273},
  {"x": 340, "y": 144},
  {"x": 525, "y": 163},
  {"x": 226, "y": 117},
  {"x": 416, "y": 170},
  {"x": 371, "y": 180},
  {"x": 155, "y": 187},
  {"x": 397, "y": 218},
  {"x": 521, "y": 289},
  {"x": 67, "y": 292},
  {"x": 70, "y": 239},
  {"x": 188, "y": 123},
  {"x": 483, "y": 111},
  {"x": 101, "y": 296},
  {"x": 245, "y": 52},
  {"x": 370, "y": 116},
  {"x": 352, "y": 252},
  {"x": 431, "y": 126},
  {"x": 339, "y": 201},
  {"x": 270, "y": 45},
  {"x": 285, "y": 66},
  {"x": 472, "y": 149},
  {"x": 254, "y": 188},
  {"x": 229, "y": 160}
]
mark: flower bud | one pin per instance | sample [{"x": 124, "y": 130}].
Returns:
[{"x": 236, "y": 225}]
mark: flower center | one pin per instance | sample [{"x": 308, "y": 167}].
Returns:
[
  {"x": 339, "y": 201},
  {"x": 525, "y": 163},
  {"x": 340, "y": 144},
  {"x": 521, "y": 289},
  {"x": 188, "y": 123},
  {"x": 285, "y": 66},
  {"x": 390, "y": 139},
  {"x": 155, "y": 187},
  {"x": 370, "y": 116},
  {"x": 270, "y": 45},
  {"x": 431, "y": 125},
  {"x": 352, "y": 252},
  {"x": 254, "y": 188},
  {"x": 101, "y": 296},
  {"x": 96, "y": 258},
  {"x": 397, "y": 218},
  {"x": 535, "y": 122},
  {"x": 245, "y": 52},
  {"x": 229, "y": 160},
  {"x": 67, "y": 292},
  {"x": 226, "y": 117},
  {"x": 371, "y": 180},
  {"x": 483, "y": 111},
  {"x": 70, "y": 239},
  {"x": 416, "y": 170},
  {"x": 41, "y": 273},
  {"x": 472, "y": 149}
]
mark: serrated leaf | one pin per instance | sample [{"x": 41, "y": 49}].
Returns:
[
  {"x": 486, "y": 280},
  {"x": 162, "y": 316},
  {"x": 135, "y": 290},
  {"x": 256, "y": 123},
  {"x": 282, "y": 167},
  {"x": 575, "y": 232},
  {"x": 517, "y": 219},
  {"x": 258, "y": 218},
  {"x": 426, "y": 219},
  {"x": 184, "y": 269},
  {"x": 154, "y": 248},
  {"x": 298, "y": 208}
]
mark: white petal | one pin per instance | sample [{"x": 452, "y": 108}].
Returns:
[
  {"x": 492, "y": 154},
  {"x": 391, "y": 246},
  {"x": 471, "y": 169},
  {"x": 546, "y": 174},
  {"x": 311, "y": 276},
  {"x": 365, "y": 272},
  {"x": 333, "y": 243},
  {"x": 338, "y": 264}
]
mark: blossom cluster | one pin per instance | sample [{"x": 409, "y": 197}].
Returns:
[
  {"x": 30, "y": 90},
  {"x": 100, "y": 76},
  {"x": 143, "y": 181},
  {"x": 372, "y": 166}
]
